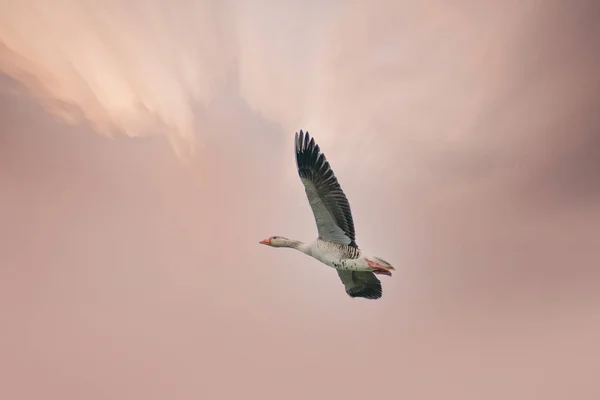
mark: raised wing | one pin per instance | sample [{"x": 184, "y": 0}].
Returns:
[
  {"x": 327, "y": 200},
  {"x": 361, "y": 284}
]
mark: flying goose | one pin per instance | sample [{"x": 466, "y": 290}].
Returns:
[{"x": 336, "y": 244}]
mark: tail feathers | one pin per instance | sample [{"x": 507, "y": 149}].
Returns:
[{"x": 386, "y": 264}]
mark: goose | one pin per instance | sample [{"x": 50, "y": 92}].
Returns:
[{"x": 335, "y": 245}]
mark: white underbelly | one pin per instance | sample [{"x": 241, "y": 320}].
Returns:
[{"x": 333, "y": 260}]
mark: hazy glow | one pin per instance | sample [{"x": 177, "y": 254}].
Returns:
[
  {"x": 465, "y": 134},
  {"x": 137, "y": 67}
]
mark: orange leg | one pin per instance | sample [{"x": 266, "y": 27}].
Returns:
[{"x": 378, "y": 268}]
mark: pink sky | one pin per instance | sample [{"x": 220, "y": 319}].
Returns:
[{"x": 147, "y": 148}]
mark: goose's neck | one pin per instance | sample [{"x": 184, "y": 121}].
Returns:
[{"x": 296, "y": 244}]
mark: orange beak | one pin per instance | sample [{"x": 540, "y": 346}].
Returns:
[{"x": 266, "y": 241}]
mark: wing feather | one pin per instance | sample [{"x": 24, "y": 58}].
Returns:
[
  {"x": 361, "y": 284},
  {"x": 329, "y": 204}
]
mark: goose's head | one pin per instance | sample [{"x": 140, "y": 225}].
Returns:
[{"x": 276, "y": 241}]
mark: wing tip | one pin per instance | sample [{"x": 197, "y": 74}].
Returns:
[
  {"x": 304, "y": 136},
  {"x": 368, "y": 296},
  {"x": 371, "y": 293},
  {"x": 306, "y": 146}
]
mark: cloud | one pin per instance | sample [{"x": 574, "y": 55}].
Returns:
[
  {"x": 134, "y": 68},
  {"x": 448, "y": 95}
]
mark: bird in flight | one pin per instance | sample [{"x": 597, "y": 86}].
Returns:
[{"x": 336, "y": 243}]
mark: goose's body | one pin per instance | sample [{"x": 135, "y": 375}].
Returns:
[{"x": 336, "y": 243}]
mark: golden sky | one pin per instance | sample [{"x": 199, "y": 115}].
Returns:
[{"x": 146, "y": 147}]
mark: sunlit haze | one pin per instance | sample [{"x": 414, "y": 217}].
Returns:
[{"x": 147, "y": 146}]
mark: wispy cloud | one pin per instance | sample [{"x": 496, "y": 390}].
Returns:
[{"x": 137, "y": 68}]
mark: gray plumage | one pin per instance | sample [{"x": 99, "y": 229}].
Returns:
[
  {"x": 329, "y": 204},
  {"x": 335, "y": 245},
  {"x": 361, "y": 284},
  {"x": 333, "y": 215}
]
